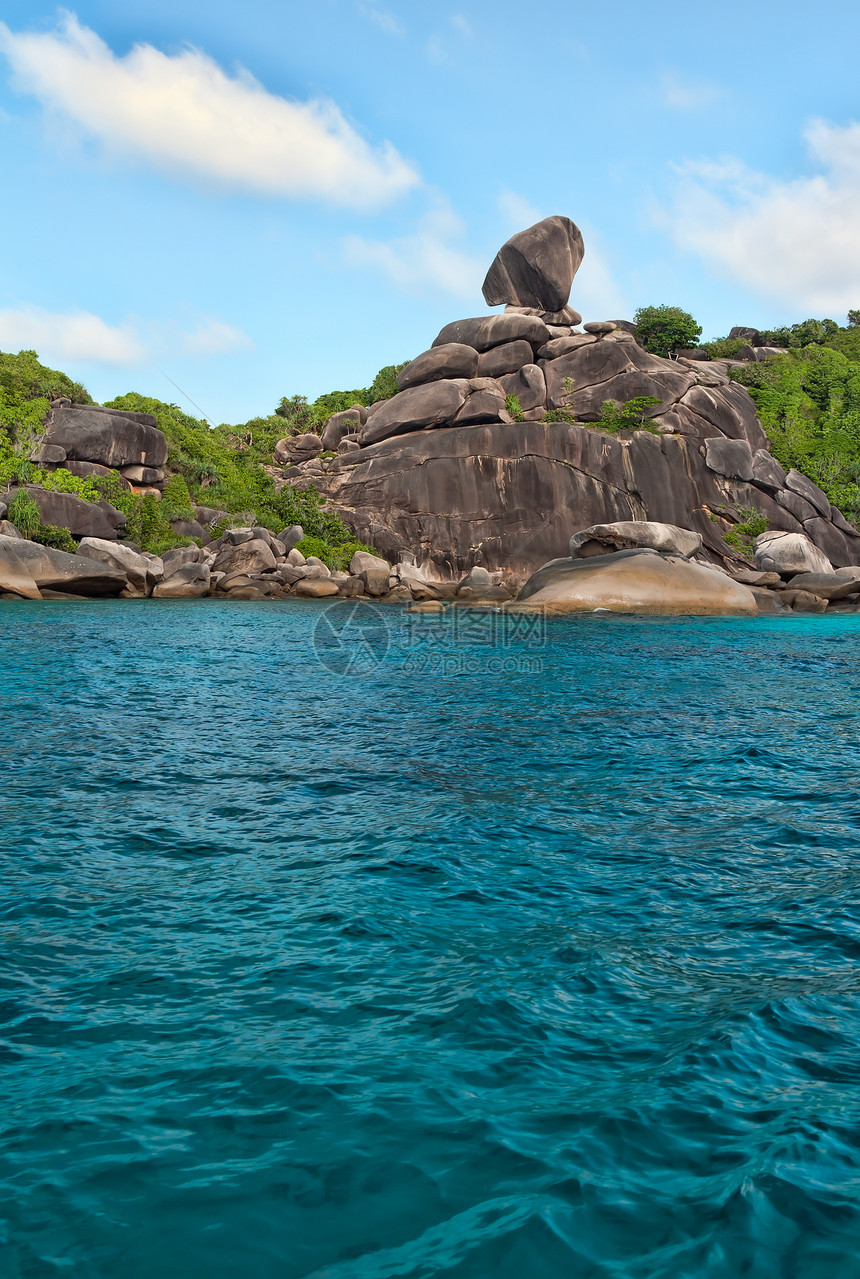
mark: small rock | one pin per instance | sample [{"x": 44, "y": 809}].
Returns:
[
  {"x": 599, "y": 327},
  {"x": 364, "y": 560},
  {"x": 316, "y": 588}
]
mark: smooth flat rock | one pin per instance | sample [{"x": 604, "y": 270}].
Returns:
[
  {"x": 636, "y": 581},
  {"x": 317, "y": 588},
  {"x": 626, "y": 535},
  {"x": 420, "y": 406},
  {"x": 450, "y": 360},
  {"x": 58, "y": 570},
  {"x": 82, "y": 519},
  {"x": 830, "y": 586},
  {"x": 536, "y": 266},
  {"x": 507, "y": 358},
  {"x": 486, "y": 331},
  {"x": 767, "y": 472},
  {"x": 789, "y": 554}
]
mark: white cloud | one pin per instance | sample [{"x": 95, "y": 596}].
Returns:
[
  {"x": 463, "y": 25},
  {"x": 381, "y": 18},
  {"x": 791, "y": 241},
  {"x": 81, "y": 336},
  {"x": 519, "y": 212},
  {"x": 688, "y": 95},
  {"x": 429, "y": 258},
  {"x": 182, "y": 113},
  {"x": 77, "y": 336}
]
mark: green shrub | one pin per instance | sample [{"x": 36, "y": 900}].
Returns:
[
  {"x": 744, "y": 532},
  {"x": 723, "y": 348},
  {"x": 663, "y": 330},
  {"x": 629, "y": 416},
  {"x": 24, "y": 513},
  {"x": 335, "y": 557},
  {"x": 512, "y": 404}
]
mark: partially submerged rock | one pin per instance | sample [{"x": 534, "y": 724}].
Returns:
[
  {"x": 44, "y": 567},
  {"x": 638, "y": 581}
]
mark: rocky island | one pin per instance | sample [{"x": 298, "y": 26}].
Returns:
[{"x": 526, "y": 460}]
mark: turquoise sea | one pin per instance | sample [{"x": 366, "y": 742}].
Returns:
[{"x": 353, "y": 945}]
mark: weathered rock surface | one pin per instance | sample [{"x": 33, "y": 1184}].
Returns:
[
  {"x": 507, "y": 358},
  {"x": 450, "y": 360},
  {"x": 189, "y": 581},
  {"x": 536, "y": 267},
  {"x": 82, "y": 519},
  {"x": 732, "y": 458},
  {"x": 788, "y": 554},
  {"x": 637, "y": 581},
  {"x": 486, "y": 331},
  {"x": 830, "y": 586},
  {"x": 420, "y": 406},
  {"x": 528, "y": 384},
  {"x": 253, "y": 556},
  {"x": 627, "y": 535},
  {"x": 58, "y": 570},
  {"x": 142, "y": 573},
  {"x": 108, "y": 436}
]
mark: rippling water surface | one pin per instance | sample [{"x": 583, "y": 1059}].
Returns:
[{"x": 492, "y": 969}]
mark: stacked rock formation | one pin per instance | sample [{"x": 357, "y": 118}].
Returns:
[
  {"x": 89, "y": 440},
  {"x": 443, "y": 469}
]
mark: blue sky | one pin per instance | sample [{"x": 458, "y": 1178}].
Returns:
[{"x": 257, "y": 200}]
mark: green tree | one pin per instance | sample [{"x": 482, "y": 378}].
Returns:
[{"x": 663, "y": 330}]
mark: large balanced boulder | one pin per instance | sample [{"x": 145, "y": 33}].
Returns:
[
  {"x": 788, "y": 554},
  {"x": 57, "y": 570},
  {"x": 627, "y": 535},
  {"x": 108, "y": 436},
  {"x": 635, "y": 582},
  {"x": 535, "y": 268}
]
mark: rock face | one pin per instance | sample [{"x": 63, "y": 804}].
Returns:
[
  {"x": 82, "y": 519},
  {"x": 444, "y": 471},
  {"x": 56, "y": 570},
  {"x": 637, "y": 581},
  {"x": 107, "y": 436},
  {"x": 627, "y": 535},
  {"x": 535, "y": 268}
]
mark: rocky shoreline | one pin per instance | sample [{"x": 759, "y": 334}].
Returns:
[
  {"x": 625, "y": 567},
  {"x": 524, "y": 462}
]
